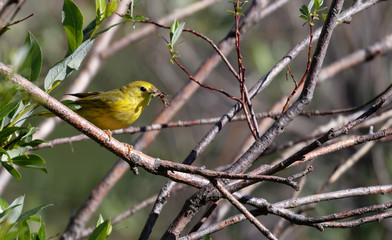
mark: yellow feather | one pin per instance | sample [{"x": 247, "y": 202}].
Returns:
[{"x": 117, "y": 108}]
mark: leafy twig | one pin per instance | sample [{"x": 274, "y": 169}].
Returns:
[{"x": 3, "y": 29}]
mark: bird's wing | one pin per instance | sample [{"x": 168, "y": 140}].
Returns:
[{"x": 96, "y": 99}]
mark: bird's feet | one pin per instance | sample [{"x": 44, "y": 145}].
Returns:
[
  {"x": 133, "y": 167},
  {"x": 130, "y": 148},
  {"x": 109, "y": 133}
]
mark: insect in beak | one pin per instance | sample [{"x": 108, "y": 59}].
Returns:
[{"x": 162, "y": 96}]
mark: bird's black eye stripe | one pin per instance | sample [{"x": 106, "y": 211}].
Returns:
[{"x": 143, "y": 89}]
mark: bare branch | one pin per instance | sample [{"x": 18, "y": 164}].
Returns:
[
  {"x": 244, "y": 211},
  {"x": 317, "y": 222}
]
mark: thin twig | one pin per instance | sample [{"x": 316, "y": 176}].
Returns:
[
  {"x": 202, "y": 84},
  {"x": 357, "y": 222},
  {"x": 13, "y": 13},
  {"x": 126, "y": 214},
  {"x": 147, "y": 30},
  {"x": 213, "y": 45},
  {"x": 245, "y": 100},
  {"x": 279, "y": 209},
  {"x": 297, "y": 86},
  {"x": 244, "y": 211},
  {"x": 331, "y": 134},
  {"x": 358, "y": 154},
  {"x": 354, "y": 192},
  {"x": 4, "y": 28}
]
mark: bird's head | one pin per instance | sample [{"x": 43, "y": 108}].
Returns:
[{"x": 145, "y": 91}]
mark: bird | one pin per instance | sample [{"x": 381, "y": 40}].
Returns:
[{"x": 117, "y": 108}]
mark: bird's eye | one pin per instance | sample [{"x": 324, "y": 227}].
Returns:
[{"x": 143, "y": 89}]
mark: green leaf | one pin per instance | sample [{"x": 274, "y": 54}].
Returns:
[
  {"x": 62, "y": 69},
  {"x": 102, "y": 231},
  {"x": 175, "y": 31},
  {"x": 321, "y": 9},
  {"x": 317, "y": 4},
  {"x": 32, "y": 143},
  {"x": 27, "y": 133},
  {"x": 140, "y": 18},
  {"x": 15, "y": 173},
  {"x": 103, "y": 11},
  {"x": 32, "y": 212},
  {"x": 100, "y": 9},
  {"x": 6, "y": 133},
  {"x": 30, "y": 161},
  {"x": 15, "y": 151},
  {"x": 3, "y": 204},
  {"x": 5, "y": 110},
  {"x": 24, "y": 231},
  {"x": 19, "y": 115},
  {"x": 91, "y": 27},
  {"x": 17, "y": 206},
  {"x": 111, "y": 8},
  {"x": 72, "y": 20},
  {"x": 173, "y": 28},
  {"x": 27, "y": 61},
  {"x": 19, "y": 142},
  {"x": 310, "y": 5},
  {"x": 3, "y": 151},
  {"x": 10, "y": 111},
  {"x": 304, "y": 17},
  {"x": 19, "y": 57},
  {"x": 31, "y": 67},
  {"x": 304, "y": 10},
  {"x": 127, "y": 16},
  {"x": 4, "y": 214},
  {"x": 11, "y": 235},
  {"x": 100, "y": 220},
  {"x": 41, "y": 231},
  {"x": 15, "y": 113}
]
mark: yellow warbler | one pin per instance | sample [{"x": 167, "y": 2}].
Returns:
[{"x": 116, "y": 108}]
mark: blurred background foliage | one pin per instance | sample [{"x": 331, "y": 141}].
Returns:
[{"x": 74, "y": 169}]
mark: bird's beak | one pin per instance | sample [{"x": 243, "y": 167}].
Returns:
[{"x": 157, "y": 93}]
